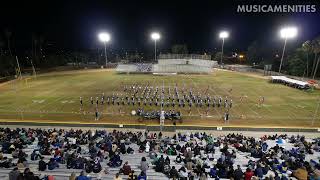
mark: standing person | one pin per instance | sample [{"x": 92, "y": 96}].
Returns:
[
  {"x": 97, "y": 101},
  {"x": 102, "y": 98},
  {"x": 144, "y": 165},
  {"x": 96, "y": 115},
  {"x": 91, "y": 100},
  {"x": 226, "y": 116},
  {"x": 81, "y": 103},
  {"x": 262, "y": 100}
]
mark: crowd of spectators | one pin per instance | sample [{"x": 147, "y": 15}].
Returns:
[
  {"x": 181, "y": 156},
  {"x": 144, "y": 67}
]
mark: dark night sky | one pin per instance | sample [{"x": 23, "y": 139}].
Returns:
[{"x": 75, "y": 24}]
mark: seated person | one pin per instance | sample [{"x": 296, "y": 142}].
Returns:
[
  {"x": 42, "y": 165},
  {"x": 130, "y": 150},
  {"x": 115, "y": 161},
  {"x": 52, "y": 164},
  {"x": 96, "y": 167},
  {"x": 173, "y": 173},
  {"x": 142, "y": 176},
  {"x": 183, "y": 174},
  {"x": 132, "y": 176},
  {"x": 89, "y": 166},
  {"x": 126, "y": 169},
  {"x": 166, "y": 168},
  {"x": 178, "y": 159},
  {"x": 35, "y": 155},
  {"x": 6, "y": 163}
]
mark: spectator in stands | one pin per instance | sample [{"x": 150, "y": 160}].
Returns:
[
  {"x": 52, "y": 164},
  {"x": 126, "y": 169},
  {"x": 183, "y": 174},
  {"x": 144, "y": 165},
  {"x": 259, "y": 171},
  {"x": 35, "y": 155},
  {"x": 42, "y": 165},
  {"x": 6, "y": 163},
  {"x": 301, "y": 173},
  {"x": 115, "y": 161},
  {"x": 193, "y": 150},
  {"x": 28, "y": 175},
  {"x": 174, "y": 173},
  {"x": 238, "y": 174},
  {"x": 213, "y": 172},
  {"x": 132, "y": 176},
  {"x": 21, "y": 164},
  {"x": 83, "y": 176},
  {"x": 130, "y": 150},
  {"x": 117, "y": 177},
  {"x": 167, "y": 160},
  {"x": 73, "y": 176},
  {"x": 248, "y": 174},
  {"x": 89, "y": 166},
  {"x": 96, "y": 167},
  {"x": 142, "y": 176},
  {"x": 13, "y": 175},
  {"x": 178, "y": 159},
  {"x": 166, "y": 169}
]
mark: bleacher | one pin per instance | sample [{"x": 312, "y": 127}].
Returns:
[
  {"x": 181, "y": 68},
  {"x": 63, "y": 173}
]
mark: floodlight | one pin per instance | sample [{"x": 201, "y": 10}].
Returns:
[
  {"x": 288, "y": 32},
  {"x": 224, "y": 34},
  {"x": 155, "y": 36},
  {"x": 104, "y": 37}
]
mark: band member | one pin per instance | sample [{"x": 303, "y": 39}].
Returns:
[
  {"x": 219, "y": 101},
  {"x": 226, "y": 116},
  {"x": 108, "y": 100},
  {"x": 96, "y": 115},
  {"x": 102, "y": 98}
]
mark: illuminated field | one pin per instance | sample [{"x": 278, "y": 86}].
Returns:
[{"x": 54, "y": 97}]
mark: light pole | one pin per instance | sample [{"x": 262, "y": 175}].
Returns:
[
  {"x": 105, "y": 37},
  {"x": 223, "y": 35},
  {"x": 286, "y": 33},
  {"x": 155, "y": 36}
]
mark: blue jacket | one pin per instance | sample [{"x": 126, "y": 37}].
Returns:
[
  {"x": 83, "y": 178},
  {"x": 142, "y": 177},
  {"x": 259, "y": 172}
]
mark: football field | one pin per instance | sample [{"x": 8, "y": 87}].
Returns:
[{"x": 54, "y": 97}]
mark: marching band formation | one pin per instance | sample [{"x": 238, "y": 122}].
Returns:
[{"x": 160, "y": 96}]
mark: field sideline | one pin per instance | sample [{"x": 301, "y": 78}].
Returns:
[{"x": 54, "y": 97}]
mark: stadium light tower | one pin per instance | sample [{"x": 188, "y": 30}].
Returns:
[
  {"x": 105, "y": 37},
  {"x": 155, "y": 36},
  {"x": 223, "y": 35},
  {"x": 287, "y": 33}
]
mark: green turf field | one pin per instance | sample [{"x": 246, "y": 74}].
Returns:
[{"x": 55, "y": 97}]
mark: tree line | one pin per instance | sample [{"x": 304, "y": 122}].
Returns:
[{"x": 302, "y": 61}]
